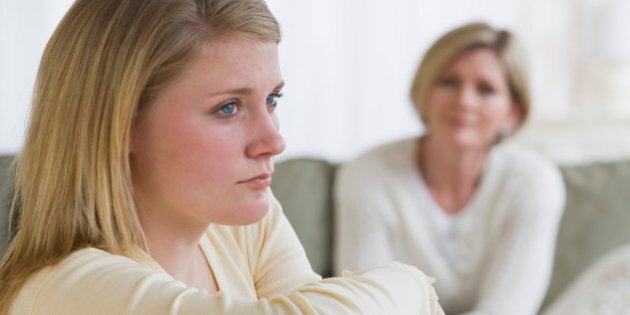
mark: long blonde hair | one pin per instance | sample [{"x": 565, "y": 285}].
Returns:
[
  {"x": 105, "y": 59},
  {"x": 466, "y": 38}
]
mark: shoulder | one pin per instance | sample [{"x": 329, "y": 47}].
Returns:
[
  {"x": 379, "y": 162},
  {"x": 535, "y": 181},
  {"x": 91, "y": 262},
  {"x": 524, "y": 165},
  {"x": 88, "y": 260},
  {"x": 388, "y": 152},
  {"x": 373, "y": 186},
  {"x": 83, "y": 278}
]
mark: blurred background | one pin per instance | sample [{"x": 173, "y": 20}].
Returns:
[{"x": 348, "y": 65}]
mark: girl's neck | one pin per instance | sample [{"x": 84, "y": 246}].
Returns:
[
  {"x": 175, "y": 247},
  {"x": 185, "y": 263}
]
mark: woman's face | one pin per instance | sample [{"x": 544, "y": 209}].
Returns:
[
  {"x": 202, "y": 152},
  {"x": 470, "y": 101}
]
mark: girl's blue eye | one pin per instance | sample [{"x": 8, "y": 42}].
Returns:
[
  {"x": 272, "y": 99},
  {"x": 228, "y": 109}
]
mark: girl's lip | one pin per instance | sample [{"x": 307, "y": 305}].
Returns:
[{"x": 259, "y": 182}]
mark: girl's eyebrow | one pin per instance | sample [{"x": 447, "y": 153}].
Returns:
[
  {"x": 244, "y": 90},
  {"x": 279, "y": 86}
]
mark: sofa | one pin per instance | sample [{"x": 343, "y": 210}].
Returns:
[
  {"x": 595, "y": 221},
  {"x": 596, "y": 218}
]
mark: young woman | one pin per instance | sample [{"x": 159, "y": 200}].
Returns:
[
  {"x": 458, "y": 201},
  {"x": 143, "y": 184}
]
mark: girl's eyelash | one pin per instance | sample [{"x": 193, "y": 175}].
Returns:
[
  {"x": 230, "y": 108},
  {"x": 272, "y": 98}
]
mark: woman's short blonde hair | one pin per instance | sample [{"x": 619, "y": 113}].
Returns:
[
  {"x": 466, "y": 38},
  {"x": 106, "y": 59}
]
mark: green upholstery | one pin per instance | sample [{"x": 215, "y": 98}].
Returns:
[
  {"x": 6, "y": 192},
  {"x": 595, "y": 220},
  {"x": 304, "y": 188}
]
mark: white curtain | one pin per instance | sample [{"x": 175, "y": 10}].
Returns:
[
  {"x": 348, "y": 65},
  {"x": 25, "y": 27}
]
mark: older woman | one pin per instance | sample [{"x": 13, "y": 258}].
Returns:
[
  {"x": 143, "y": 183},
  {"x": 459, "y": 201}
]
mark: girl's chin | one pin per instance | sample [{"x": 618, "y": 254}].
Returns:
[{"x": 253, "y": 212}]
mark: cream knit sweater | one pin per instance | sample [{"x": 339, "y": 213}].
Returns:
[
  {"x": 260, "y": 269},
  {"x": 494, "y": 257}
]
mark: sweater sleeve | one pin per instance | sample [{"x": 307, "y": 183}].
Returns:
[
  {"x": 362, "y": 224},
  {"x": 94, "y": 282},
  {"x": 517, "y": 275}
]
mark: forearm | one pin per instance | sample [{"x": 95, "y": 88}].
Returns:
[{"x": 98, "y": 283}]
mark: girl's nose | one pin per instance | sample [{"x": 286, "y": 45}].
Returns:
[{"x": 267, "y": 141}]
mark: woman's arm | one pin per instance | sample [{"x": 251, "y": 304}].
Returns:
[
  {"x": 517, "y": 276},
  {"x": 94, "y": 282}
]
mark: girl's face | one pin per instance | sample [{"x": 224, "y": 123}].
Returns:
[
  {"x": 203, "y": 151},
  {"x": 470, "y": 101}
]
